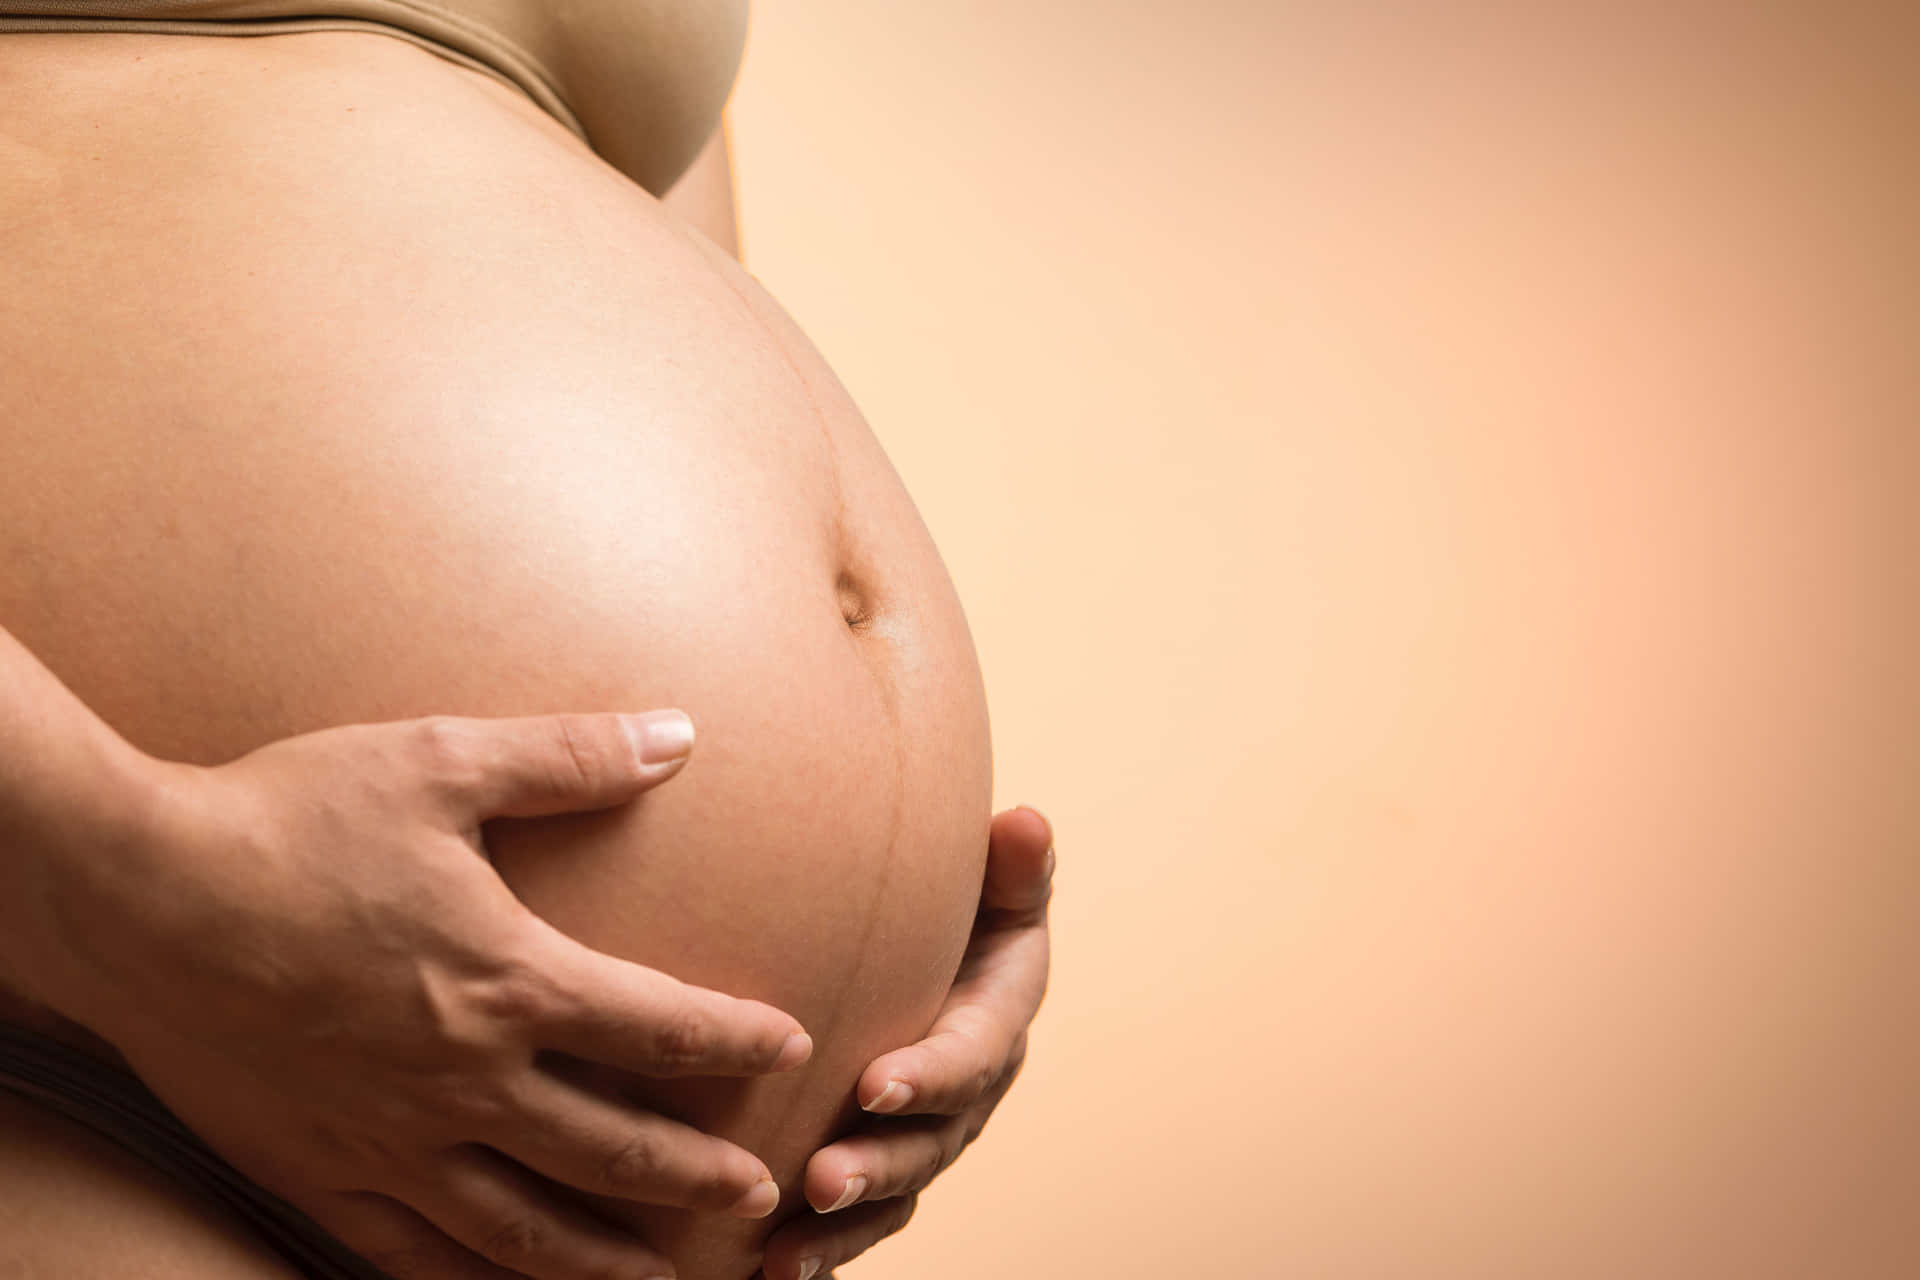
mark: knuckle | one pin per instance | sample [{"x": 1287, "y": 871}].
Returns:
[
  {"x": 929, "y": 1163},
  {"x": 444, "y": 750},
  {"x": 684, "y": 1039},
  {"x": 516, "y": 1242},
  {"x": 577, "y": 760},
  {"x": 488, "y": 1101},
  {"x": 968, "y": 1067},
  {"x": 441, "y": 743},
  {"x": 518, "y": 995},
  {"x": 979, "y": 1080},
  {"x": 634, "y": 1165}
]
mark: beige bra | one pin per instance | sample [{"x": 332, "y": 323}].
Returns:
[{"x": 641, "y": 81}]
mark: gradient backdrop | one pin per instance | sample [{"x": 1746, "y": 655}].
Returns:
[{"x": 1434, "y": 489}]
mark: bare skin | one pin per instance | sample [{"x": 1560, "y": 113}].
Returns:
[
  {"x": 944, "y": 1089},
  {"x": 703, "y": 197},
  {"x": 958, "y": 1072},
  {"x": 111, "y": 913}
]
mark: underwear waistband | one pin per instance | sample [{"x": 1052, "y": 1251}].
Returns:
[{"x": 121, "y": 1108}]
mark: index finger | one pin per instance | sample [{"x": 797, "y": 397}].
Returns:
[{"x": 625, "y": 1015}]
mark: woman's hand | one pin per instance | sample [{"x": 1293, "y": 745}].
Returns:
[
  {"x": 308, "y": 957},
  {"x": 944, "y": 1088}
]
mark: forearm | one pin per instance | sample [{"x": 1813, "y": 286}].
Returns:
[{"x": 67, "y": 785}]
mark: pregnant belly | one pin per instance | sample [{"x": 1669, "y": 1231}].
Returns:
[{"x": 342, "y": 385}]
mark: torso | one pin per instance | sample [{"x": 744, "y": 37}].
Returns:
[{"x": 342, "y": 384}]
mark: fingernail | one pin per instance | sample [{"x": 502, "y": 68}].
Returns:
[
  {"x": 797, "y": 1049},
  {"x": 660, "y": 736},
  {"x": 761, "y": 1199},
  {"x": 855, "y": 1188},
  {"x": 896, "y": 1095},
  {"x": 809, "y": 1267}
]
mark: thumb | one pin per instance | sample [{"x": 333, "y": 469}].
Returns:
[
  {"x": 1019, "y": 862},
  {"x": 532, "y": 766}
]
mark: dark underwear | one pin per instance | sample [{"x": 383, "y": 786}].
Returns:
[{"x": 116, "y": 1105}]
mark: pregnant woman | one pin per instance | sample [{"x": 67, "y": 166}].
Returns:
[{"x": 357, "y": 383}]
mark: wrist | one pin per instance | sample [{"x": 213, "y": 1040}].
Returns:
[
  {"x": 76, "y": 799},
  {"x": 61, "y": 851}
]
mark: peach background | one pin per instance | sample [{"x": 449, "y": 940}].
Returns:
[{"x": 1434, "y": 492}]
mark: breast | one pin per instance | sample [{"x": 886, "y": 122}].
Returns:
[
  {"x": 344, "y": 386},
  {"x": 642, "y": 80}
]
